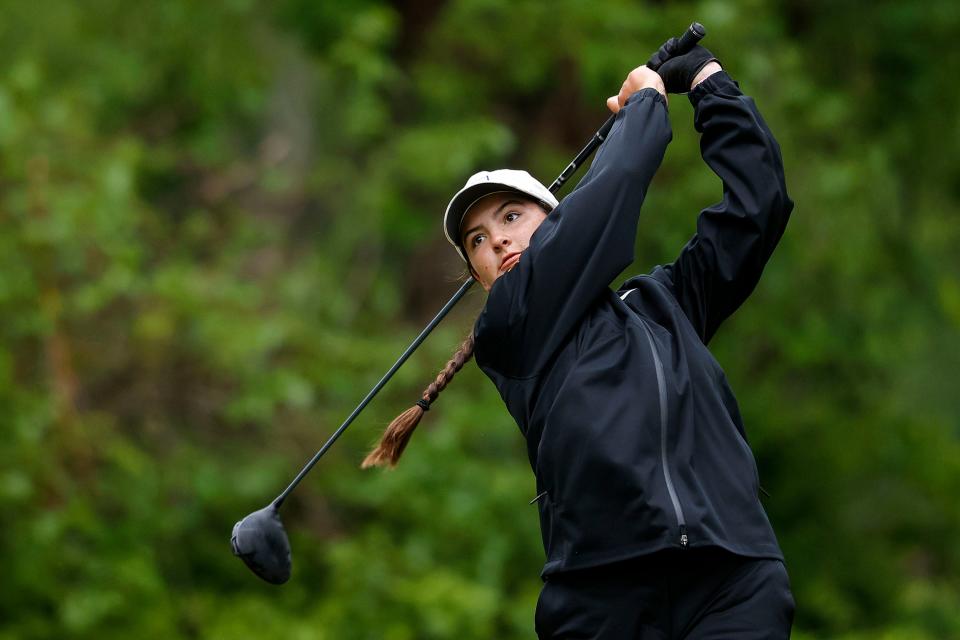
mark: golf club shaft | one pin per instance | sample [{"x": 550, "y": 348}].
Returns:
[
  {"x": 686, "y": 42},
  {"x": 363, "y": 403}
]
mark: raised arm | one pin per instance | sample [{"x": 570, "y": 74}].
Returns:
[
  {"x": 720, "y": 266},
  {"x": 580, "y": 247}
]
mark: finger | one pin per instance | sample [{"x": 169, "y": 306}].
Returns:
[
  {"x": 666, "y": 51},
  {"x": 613, "y": 103},
  {"x": 625, "y": 92}
]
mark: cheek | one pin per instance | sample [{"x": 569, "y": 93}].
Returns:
[
  {"x": 537, "y": 219},
  {"x": 491, "y": 262},
  {"x": 530, "y": 228},
  {"x": 482, "y": 261}
]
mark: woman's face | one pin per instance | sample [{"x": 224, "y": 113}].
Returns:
[{"x": 496, "y": 231}]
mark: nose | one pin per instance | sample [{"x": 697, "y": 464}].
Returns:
[{"x": 501, "y": 241}]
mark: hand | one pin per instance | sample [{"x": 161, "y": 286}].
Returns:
[
  {"x": 679, "y": 73},
  {"x": 640, "y": 78}
]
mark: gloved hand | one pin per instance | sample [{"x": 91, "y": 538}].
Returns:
[{"x": 678, "y": 73}]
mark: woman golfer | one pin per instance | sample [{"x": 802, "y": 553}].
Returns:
[{"x": 648, "y": 490}]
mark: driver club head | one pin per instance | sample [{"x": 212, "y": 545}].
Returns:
[{"x": 261, "y": 542}]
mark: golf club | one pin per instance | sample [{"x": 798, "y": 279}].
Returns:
[{"x": 260, "y": 539}]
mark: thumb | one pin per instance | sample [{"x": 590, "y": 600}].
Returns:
[{"x": 613, "y": 103}]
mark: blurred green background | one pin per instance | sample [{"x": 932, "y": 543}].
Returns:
[{"x": 220, "y": 224}]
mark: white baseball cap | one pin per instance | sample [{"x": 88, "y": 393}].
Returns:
[{"x": 483, "y": 184}]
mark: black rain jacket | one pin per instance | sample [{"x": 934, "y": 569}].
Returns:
[{"x": 632, "y": 430}]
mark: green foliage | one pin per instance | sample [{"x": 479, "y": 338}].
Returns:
[{"x": 220, "y": 225}]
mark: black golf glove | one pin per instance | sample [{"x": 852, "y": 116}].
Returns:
[{"x": 678, "y": 73}]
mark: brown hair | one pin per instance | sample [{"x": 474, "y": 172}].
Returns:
[{"x": 398, "y": 433}]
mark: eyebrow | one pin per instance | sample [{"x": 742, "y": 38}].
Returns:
[{"x": 495, "y": 214}]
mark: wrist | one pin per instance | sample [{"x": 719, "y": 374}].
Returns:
[
  {"x": 660, "y": 87},
  {"x": 708, "y": 70}
]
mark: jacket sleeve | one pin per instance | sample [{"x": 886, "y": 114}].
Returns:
[
  {"x": 720, "y": 266},
  {"x": 582, "y": 245}
]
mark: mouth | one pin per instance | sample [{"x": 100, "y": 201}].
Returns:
[{"x": 509, "y": 262}]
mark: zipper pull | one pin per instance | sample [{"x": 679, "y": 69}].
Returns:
[
  {"x": 683, "y": 536},
  {"x": 537, "y": 498}
]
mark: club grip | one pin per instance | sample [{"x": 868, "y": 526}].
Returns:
[{"x": 690, "y": 38}]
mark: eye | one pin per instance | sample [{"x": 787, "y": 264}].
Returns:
[
  {"x": 476, "y": 240},
  {"x": 511, "y": 216}
]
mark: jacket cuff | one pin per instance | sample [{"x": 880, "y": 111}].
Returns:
[
  {"x": 647, "y": 92},
  {"x": 719, "y": 82}
]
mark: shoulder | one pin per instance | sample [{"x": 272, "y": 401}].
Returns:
[{"x": 658, "y": 282}]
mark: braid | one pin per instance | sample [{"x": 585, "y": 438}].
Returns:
[{"x": 398, "y": 433}]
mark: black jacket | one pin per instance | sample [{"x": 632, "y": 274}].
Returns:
[{"x": 632, "y": 430}]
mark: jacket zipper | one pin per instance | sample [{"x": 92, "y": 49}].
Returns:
[{"x": 662, "y": 388}]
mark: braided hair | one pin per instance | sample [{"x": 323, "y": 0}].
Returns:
[{"x": 398, "y": 432}]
